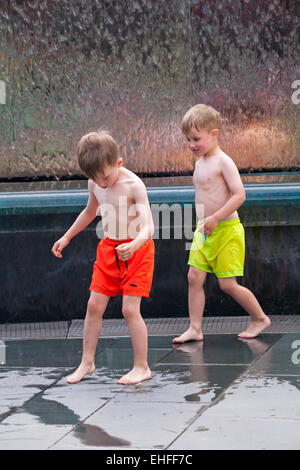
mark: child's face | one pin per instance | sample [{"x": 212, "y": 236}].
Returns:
[
  {"x": 201, "y": 141},
  {"x": 109, "y": 175}
]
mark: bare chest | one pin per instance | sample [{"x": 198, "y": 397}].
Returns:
[
  {"x": 118, "y": 198},
  {"x": 207, "y": 176}
]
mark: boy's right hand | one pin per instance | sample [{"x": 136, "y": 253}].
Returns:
[{"x": 59, "y": 245}]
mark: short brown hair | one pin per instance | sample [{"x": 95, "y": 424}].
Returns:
[
  {"x": 201, "y": 116},
  {"x": 95, "y": 151}
]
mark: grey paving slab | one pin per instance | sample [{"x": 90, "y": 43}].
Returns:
[
  {"x": 154, "y": 342},
  {"x": 62, "y": 404},
  {"x": 47, "y": 353},
  {"x": 211, "y": 433},
  {"x": 131, "y": 426},
  {"x": 56, "y": 411},
  {"x": 18, "y": 385},
  {"x": 228, "y": 349},
  {"x": 117, "y": 362},
  {"x": 35, "y": 436},
  {"x": 202, "y": 395},
  {"x": 118, "y": 358},
  {"x": 264, "y": 401},
  {"x": 26, "y": 373},
  {"x": 261, "y": 397},
  {"x": 267, "y": 408},
  {"x": 182, "y": 384},
  {"x": 282, "y": 359}
]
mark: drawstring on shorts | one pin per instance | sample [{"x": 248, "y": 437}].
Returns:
[{"x": 117, "y": 260}]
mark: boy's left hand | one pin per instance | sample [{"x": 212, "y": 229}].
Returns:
[
  {"x": 126, "y": 250},
  {"x": 207, "y": 225}
]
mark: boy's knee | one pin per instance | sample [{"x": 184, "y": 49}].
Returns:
[
  {"x": 128, "y": 312},
  {"x": 227, "y": 286},
  {"x": 94, "y": 307},
  {"x": 195, "y": 277}
]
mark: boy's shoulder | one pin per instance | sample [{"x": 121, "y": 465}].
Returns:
[
  {"x": 132, "y": 177},
  {"x": 215, "y": 159},
  {"x": 128, "y": 181},
  {"x": 226, "y": 160},
  {"x": 223, "y": 159},
  {"x": 130, "y": 173},
  {"x": 91, "y": 185}
]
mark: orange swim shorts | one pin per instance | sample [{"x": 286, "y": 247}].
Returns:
[{"x": 112, "y": 276}]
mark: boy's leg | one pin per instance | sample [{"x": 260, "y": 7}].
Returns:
[
  {"x": 139, "y": 338},
  {"x": 92, "y": 328},
  {"x": 242, "y": 295},
  {"x": 196, "y": 299}
]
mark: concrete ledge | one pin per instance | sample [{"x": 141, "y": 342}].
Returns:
[{"x": 65, "y": 201}]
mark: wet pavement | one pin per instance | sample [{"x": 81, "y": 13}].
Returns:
[{"x": 224, "y": 393}]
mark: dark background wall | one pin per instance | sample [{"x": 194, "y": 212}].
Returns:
[{"x": 36, "y": 286}]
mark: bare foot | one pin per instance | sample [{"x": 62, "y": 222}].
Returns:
[
  {"x": 81, "y": 372},
  {"x": 135, "y": 376},
  {"x": 255, "y": 328},
  {"x": 189, "y": 335}
]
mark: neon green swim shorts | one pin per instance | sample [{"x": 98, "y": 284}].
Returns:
[{"x": 223, "y": 252}]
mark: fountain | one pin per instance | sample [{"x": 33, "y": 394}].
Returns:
[{"x": 135, "y": 71}]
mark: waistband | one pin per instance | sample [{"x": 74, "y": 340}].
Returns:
[
  {"x": 228, "y": 223},
  {"x": 112, "y": 242}
]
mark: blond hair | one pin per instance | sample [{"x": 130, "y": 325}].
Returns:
[
  {"x": 95, "y": 151},
  {"x": 201, "y": 116}
]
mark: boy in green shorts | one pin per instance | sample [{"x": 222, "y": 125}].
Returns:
[{"x": 219, "y": 244}]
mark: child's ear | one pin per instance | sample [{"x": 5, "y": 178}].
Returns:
[
  {"x": 120, "y": 162},
  {"x": 215, "y": 132}
]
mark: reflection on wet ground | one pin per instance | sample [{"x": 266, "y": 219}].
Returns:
[{"x": 222, "y": 393}]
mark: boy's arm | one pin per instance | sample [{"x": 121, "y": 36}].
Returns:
[
  {"x": 238, "y": 196},
  {"x": 233, "y": 180},
  {"x": 143, "y": 212},
  {"x": 83, "y": 220}
]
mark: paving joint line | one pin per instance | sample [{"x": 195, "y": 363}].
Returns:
[
  {"x": 41, "y": 392},
  {"x": 219, "y": 398},
  {"x": 97, "y": 409}
]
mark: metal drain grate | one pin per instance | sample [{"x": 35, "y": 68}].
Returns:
[
  {"x": 40, "y": 330},
  {"x": 211, "y": 325},
  {"x": 156, "y": 326}
]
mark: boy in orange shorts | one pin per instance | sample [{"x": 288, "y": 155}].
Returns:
[{"x": 125, "y": 257}]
